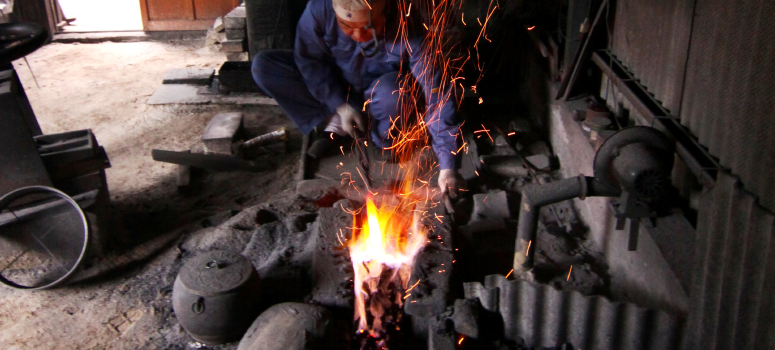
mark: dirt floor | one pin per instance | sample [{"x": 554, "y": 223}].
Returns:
[{"x": 103, "y": 87}]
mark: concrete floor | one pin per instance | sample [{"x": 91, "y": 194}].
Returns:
[{"x": 104, "y": 87}]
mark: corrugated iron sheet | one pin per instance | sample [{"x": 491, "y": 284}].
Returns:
[
  {"x": 729, "y": 96},
  {"x": 651, "y": 39},
  {"x": 732, "y": 305},
  {"x": 543, "y": 316}
]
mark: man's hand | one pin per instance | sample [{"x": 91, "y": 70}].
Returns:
[
  {"x": 450, "y": 181},
  {"x": 350, "y": 116}
]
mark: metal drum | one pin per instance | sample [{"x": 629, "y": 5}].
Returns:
[{"x": 216, "y": 296}]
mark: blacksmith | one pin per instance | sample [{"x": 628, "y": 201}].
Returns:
[{"x": 346, "y": 53}]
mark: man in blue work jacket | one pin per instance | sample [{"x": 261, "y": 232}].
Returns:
[{"x": 342, "y": 58}]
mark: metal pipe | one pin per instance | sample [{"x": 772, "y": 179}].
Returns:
[{"x": 536, "y": 196}]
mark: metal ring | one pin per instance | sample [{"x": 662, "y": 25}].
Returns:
[{"x": 15, "y": 194}]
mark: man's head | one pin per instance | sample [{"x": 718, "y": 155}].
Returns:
[{"x": 353, "y": 17}]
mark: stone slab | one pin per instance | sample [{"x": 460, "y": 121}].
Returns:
[
  {"x": 239, "y": 45},
  {"x": 177, "y": 93},
  {"x": 237, "y": 56},
  {"x": 235, "y": 19},
  {"x": 189, "y": 76},
  {"x": 236, "y": 34},
  {"x": 167, "y": 94},
  {"x": 132, "y": 36}
]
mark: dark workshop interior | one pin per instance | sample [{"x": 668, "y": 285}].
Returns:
[{"x": 387, "y": 174}]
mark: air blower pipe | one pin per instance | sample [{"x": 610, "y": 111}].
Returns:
[{"x": 536, "y": 196}]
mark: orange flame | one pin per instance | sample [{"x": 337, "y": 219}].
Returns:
[{"x": 387, "y": 242}]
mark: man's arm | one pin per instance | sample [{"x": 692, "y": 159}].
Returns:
[
  {"x": 441, "y": 115},
  {"x": 315, "y": 62}
]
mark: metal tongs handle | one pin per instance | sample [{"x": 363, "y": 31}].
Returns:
[{"x": 360, "y": 142}]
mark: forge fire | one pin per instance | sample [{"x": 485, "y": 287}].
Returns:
[{"x": 382, "y": 253}]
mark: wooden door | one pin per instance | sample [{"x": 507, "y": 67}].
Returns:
[{"x": 161, "y": 15}]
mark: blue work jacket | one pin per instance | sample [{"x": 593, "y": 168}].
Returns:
[{"x": 333, "y": 65}]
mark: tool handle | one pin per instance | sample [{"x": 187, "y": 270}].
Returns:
[
  {"x": 275, "y": 136},
  {"x": 448, "y": 203}
]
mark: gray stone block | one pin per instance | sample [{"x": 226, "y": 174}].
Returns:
[
  {"x": 440, "y": 335},
  {"x": 189, "y": 76},
  {"x": 235, "y": 19},
  {"x": 177, "y": 93},
  {"x": 190, "y": 94},
  {"x": 540, "y": 147},
  {"x": 289, "y": 326},
  {"x": 220, "y": 132},
  {"x": 332, "y": 269},
  {"x": 492, "y": 205},
  {"x": 540, "y": 161},
  {"x": 466, "y": 317},
  {"x": 237, "y": 56},
  {"x": 218, "y": 25},
  {"x": 236, "y": 34},
  {"x": 234, "y": 45}
]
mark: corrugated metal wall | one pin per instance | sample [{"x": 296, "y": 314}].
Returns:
[
  {"x": 732, "y": 305},
  {"x": 714, "y": 71},
  {"x": 543, "y": 316},
  {"x": 651, "y": 38},
  {"x": 729, "y": 96},
  {"x": 723, "y": 90}
]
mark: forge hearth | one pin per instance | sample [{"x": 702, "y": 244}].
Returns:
[{"x": 426, "y": 293}]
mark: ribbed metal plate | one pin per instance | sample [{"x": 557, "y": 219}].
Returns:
[
  {"x": 651, "y": 39},
  {"x": 546, "y": 317},
  {"x": 728, "y": 97},
  {"x": 734, "y": 259}
]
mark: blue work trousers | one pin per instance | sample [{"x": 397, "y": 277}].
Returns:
[{"x": 277, "y": 74}]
